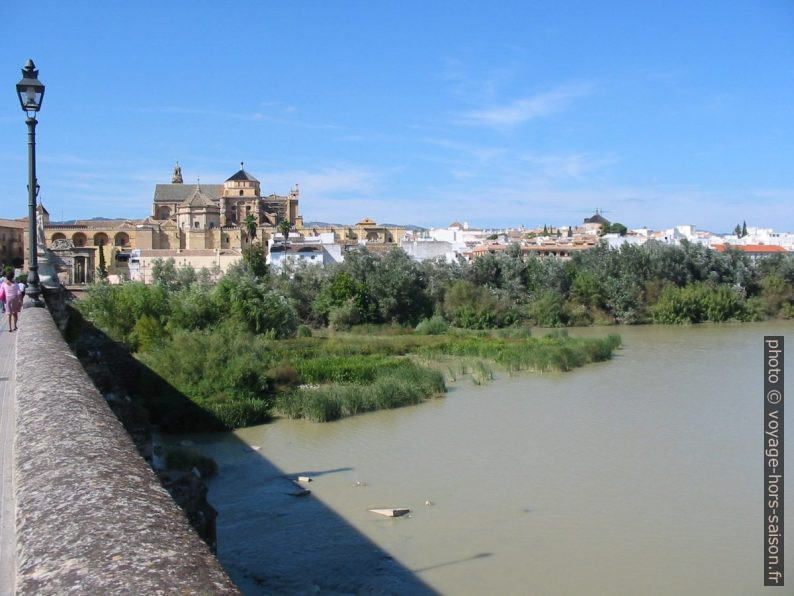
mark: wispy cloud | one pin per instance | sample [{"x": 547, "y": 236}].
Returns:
[
  {"x": 324, "y": 182},
  {"x": 525, "y": 109},
  {"x": 261, "y": 116},
  {"x": 574, "y": 166}
]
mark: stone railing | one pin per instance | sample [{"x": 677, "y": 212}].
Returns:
[{"x": 92, "y": 517}]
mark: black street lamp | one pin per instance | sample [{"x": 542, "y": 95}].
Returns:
[{"x": 31, "y": 92}]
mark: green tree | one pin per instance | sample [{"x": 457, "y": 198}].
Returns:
[
  {"x": 101, "y": 270},
  {"x": 399, "y": 289},
  {"x": 588, "y": 290},
  {"x": 254, "y": 260},
  {"x": 343, "y": 291},
  {"x": 164, "y": 272},
  {"x": 744, "y": 229},
  {"x": 117, "y": 309},
  {"x": 302, "y": 283},
  {"x": 548, "y": 310},
  {"x": 253, "y": 304},
  {"x": 193, "y": 308},
  {"x": 476, "y": 307},
  {"x": 775, "y": 294}
]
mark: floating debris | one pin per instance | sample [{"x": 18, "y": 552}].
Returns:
[
  {"x": 304, "y": 479},
  {"x": 359, "y": 483},
  {"x": 396, "y": 512}
]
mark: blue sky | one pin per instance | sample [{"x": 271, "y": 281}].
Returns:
[{"x": 497, "y": 113}]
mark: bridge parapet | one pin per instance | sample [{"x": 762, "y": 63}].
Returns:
[{"x": 91, "y": 515}]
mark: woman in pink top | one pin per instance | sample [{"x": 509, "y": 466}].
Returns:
[{"x": 9, "y": 291}]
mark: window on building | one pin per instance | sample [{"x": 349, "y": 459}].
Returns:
[
  {"x": 241, "y": 193},
  {"x": 195, "y": 224}
]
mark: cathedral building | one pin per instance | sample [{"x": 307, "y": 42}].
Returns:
[
  {"x": 195, "y": 224},
  {"x": 192, "y": 223},
  {"x": 218, "y": 205}
]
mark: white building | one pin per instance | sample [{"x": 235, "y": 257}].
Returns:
[
  {"x": 765, "y": 236},
  {"x": 312, "y": 250},
  {"x": 458, "y": 234},
  {"x": 422, "y": 249},
  {"x": 616, "y": 240}
]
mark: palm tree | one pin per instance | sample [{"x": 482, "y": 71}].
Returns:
[
  {"x": 284, "y": 227},
  {"x": 250, "y": 226}
]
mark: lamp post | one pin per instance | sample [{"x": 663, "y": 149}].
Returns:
[{"x": 31, "y": 92}]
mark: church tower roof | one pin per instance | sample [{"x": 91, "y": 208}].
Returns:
[
  {"x": 197, "y": 199},
  {"x": 596, "y": 219},
  {"x": 241, "y": 175},
  {"x": 176, "y": 178}
]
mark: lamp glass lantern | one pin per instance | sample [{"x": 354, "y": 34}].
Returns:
[{"x": 30, "y": 89}]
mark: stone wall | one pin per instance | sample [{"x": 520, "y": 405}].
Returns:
[{"x": 91, "y": 515}]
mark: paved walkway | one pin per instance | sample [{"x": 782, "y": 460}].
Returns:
[{"x": 7, "y": 503}]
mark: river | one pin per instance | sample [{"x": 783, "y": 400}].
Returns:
[{"x": 641, "y": 475}]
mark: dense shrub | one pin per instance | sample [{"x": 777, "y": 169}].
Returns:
[
  {"x": 776, "y": 293},
  {"x": 548, "y": 310},
  {"x": 698, "y": 303},
  {"x": 251, "y": 303},
  {"x": 345, "y": 315},
  {"x": 475, "y": 307},
  {"x": 220, "y": 370},
  {"x": 433, "y": 326},
  {"x": 117, "y": 309},
  {"x": 193, "y": 308}
]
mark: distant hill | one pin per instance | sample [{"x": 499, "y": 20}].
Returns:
[
  {"x": 321, "y": 224},
  {"x": 71, "y": 222},
  {"x": 324, "y": 224},
  {"x": 411, "y": 227}
]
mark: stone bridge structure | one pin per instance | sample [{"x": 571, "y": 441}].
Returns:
[{"x": 82, "y": 512}]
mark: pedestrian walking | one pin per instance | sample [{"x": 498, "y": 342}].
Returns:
[{"x": 10, "y": 294}]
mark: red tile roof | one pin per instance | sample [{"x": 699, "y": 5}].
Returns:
[{"x": 754, "y": 248}]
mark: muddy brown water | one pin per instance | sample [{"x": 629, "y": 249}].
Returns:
[{"x": 641, "y": 475}]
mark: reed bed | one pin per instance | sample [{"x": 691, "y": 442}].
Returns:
[
  {"x": 410, "y": 384},
  {"x": 234, "y": 379}
]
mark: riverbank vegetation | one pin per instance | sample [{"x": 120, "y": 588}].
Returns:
[{"x": 380, "y": 331}]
